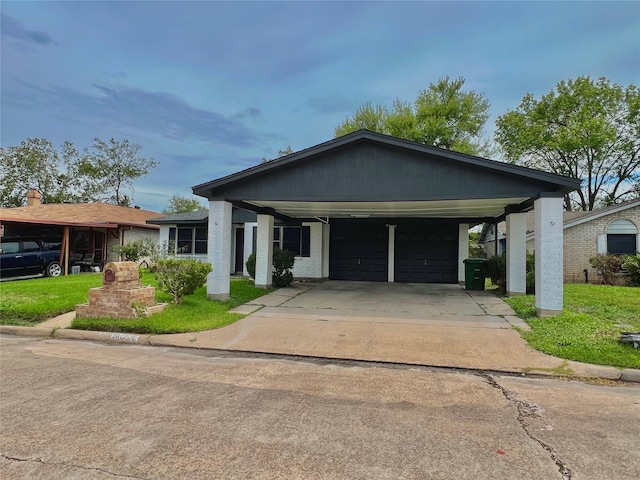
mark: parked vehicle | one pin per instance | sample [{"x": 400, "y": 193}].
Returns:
[{"x": 24, "y": 256}]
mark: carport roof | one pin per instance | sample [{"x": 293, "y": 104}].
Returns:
[{"x": 370, "y": 175}]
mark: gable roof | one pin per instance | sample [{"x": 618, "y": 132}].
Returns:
[
  {"x": 378, "y": 175},
  {"x": 80, "y": 214}
]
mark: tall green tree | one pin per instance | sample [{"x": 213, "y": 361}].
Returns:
[
  {"x": 180, "y": 204},
  {"x": 36, "y": 164},
  {"x": 444, "y": 115},
  {"x": 112, "y": 167},
  {"x": 583, "y": 129},
  {"x": 105, "y": 173}
]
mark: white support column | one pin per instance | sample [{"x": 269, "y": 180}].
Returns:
[
  {"x": 326, "y": 238},
  {"x": 549, "y": 261},
  {"x": 264, "y": 252},
  {"x": 391, "y": 265},
  {"x": 516, "y": 254},
  {"x": 219, "y": 250},
  {"x": 463, "y": 250}
]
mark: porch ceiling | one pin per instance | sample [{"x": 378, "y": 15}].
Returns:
[{"x": 457, "y": 208}]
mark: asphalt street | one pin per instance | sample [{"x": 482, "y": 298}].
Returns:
[{"x": 82, "y": 410}]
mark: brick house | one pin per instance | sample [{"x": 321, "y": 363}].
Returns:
[
  {"x": 79, "y": 228},
  {"x": 614, "y": 229}
]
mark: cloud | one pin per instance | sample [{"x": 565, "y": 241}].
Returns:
[
  {"x": 159, "y": 113},
  {"x": 13, "y": 28}
]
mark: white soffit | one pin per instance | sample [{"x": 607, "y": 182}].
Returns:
[{"x": 490, "y": 207}]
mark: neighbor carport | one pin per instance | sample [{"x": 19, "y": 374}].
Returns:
[{"x": 386, "y": 209}]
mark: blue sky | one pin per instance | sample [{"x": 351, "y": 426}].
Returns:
[{"x": 209, "y": 88}]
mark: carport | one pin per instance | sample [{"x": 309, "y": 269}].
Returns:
[{"x": 377, "y": 208}]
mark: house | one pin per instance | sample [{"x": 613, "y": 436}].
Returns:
[
  {"x": 614, "y": 229},
  {"x": 372, "y": 207},
  {"x": 185, "y": 236},
  {"x": 79, "y": 228}
]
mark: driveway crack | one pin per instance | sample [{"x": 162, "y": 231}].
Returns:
[
  {"x": 525, "y": 411},
  {"x": 97, "y": 469}
]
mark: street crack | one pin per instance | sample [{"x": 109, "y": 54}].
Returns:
[
  {"x": 98, "y": 469},
  {"x": 528, "y": 410}
]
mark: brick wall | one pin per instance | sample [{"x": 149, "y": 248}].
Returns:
[{"x": 581, "y": 243}]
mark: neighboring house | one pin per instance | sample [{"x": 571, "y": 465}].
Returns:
[
  {"x": 614, "y": 229},
  {"x": 371, "y": 207},
  {"x": 87, "y": 228}
]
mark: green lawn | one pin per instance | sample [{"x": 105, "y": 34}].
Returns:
[
  {"x": 586, "y": 331},
  {"x": 28, "y": 302}
]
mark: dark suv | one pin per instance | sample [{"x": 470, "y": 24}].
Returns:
[{"x": 23, "y": 256}]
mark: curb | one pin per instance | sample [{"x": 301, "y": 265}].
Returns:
[{"x": 628, "y": 375}]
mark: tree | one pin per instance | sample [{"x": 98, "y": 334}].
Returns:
[
  {"x": 584, "y": 129},
  {"x": 443, "y": 116},
  {"x": 180, "y": 204},
  {"x": 36, "y": 164},
  {"x": 68, "y": 175},
  {"x": 281, "y": 153},
  {"x": 112, "y": 167}
]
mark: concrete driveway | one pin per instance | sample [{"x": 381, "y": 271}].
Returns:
[{"x": 426, "y": 324}]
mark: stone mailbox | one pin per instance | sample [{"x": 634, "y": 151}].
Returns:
[{"x": 121, "y": 294}]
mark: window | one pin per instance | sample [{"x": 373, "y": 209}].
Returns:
[
  {"x": 186, "y": 240},
  {"x": 621, "y": 237},
  {"x": 294, "y": 239}
]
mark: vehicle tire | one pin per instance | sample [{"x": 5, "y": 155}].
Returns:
[{"x": 53, "y": 270}]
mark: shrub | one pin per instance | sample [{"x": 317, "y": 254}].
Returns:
[
  {"x": 181, "y": 277},
  {"x": 283, "y": 261},
  {"x": 631, "y": 264},
  {"x": 251, "y": 265},
  {"x": 496, "y": 269},
  {"x": 608, "y": 266}
]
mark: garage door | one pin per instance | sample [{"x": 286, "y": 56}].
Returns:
[
  {"x": 359, "y": 252},
  {"x": 426, "y": 253}
]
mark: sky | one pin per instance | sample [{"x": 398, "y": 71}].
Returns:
[{"x": 210, "y": 88}]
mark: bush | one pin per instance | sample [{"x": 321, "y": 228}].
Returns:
[
  {"x": 283, "y": 261},
  {"x": 496, "y": 269},
  {"x": 251, "y": 265},
  {"x": 181, "y": 277},
  {"x": 631, "y": 264},
  {"x": 608, "y": 266}
]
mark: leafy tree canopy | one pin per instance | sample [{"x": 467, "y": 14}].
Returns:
[
  {"x": 444, "y": 115},
  {"x": 583, "y": 129},
  {"x": 104, "y": 173},
  {"x": 180, "y": 204}
]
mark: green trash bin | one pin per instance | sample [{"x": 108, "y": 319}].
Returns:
[{"x": 474, "y": 273}]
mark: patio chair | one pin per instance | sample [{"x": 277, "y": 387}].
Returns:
[{"x": 87, "y": 260}]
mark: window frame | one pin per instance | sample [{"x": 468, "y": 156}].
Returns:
[{"x": 195, "y": 244}]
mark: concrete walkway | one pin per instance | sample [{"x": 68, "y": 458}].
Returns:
[{"x": 423, "y": 324}]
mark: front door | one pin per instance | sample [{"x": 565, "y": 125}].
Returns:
[
  {"x": 359, "y": 252},
  {"x": 426, "y": 253},
  {"x": 239, "y": 260}
]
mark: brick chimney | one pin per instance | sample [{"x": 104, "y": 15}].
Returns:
[{"x": 33, "y": 198}]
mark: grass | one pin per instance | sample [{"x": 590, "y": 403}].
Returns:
[
  {"x": 586, "y": 330},
  {"x": 28, "y": 302}
]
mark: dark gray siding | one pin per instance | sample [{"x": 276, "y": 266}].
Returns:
[{"x": 376, "y": 172}]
